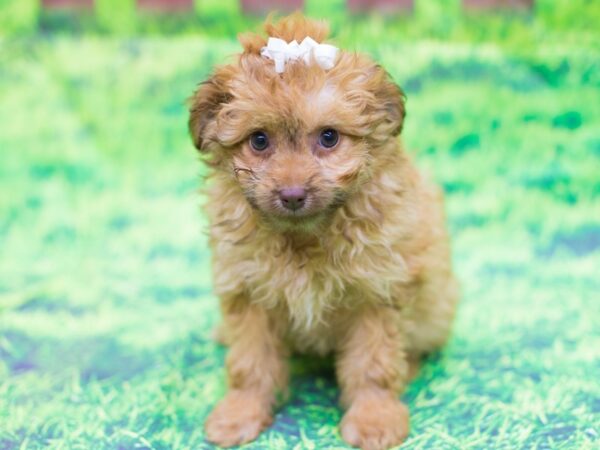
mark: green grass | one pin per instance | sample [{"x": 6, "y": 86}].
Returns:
[
  {"x": 551, "y": 22},
  {"x": 106, "y": 309}
]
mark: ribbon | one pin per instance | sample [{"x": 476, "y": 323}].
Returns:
[{"x": 281, "y": 52}]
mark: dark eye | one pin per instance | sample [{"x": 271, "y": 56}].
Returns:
[
  {"x": 328, "y": 138},
  {"x": 259, "y": 141}
]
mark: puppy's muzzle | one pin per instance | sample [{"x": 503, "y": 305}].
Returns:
[{"x": 293, "y": 198}]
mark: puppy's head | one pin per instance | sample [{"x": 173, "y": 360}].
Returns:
[{"x": 301, "y": 142}]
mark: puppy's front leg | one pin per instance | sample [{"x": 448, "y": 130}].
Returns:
[
  {"x": 372, "y": 370},
  {"x": 256, "y": 368}
]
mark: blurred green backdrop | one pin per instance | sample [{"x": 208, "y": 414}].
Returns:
[{"x": 106, "y": 310}]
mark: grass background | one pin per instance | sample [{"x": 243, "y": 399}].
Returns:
[{"x": 106, "y": 309}]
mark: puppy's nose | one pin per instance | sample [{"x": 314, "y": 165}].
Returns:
[{"x": 292, "y": 198}]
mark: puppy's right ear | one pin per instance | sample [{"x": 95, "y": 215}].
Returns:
[{"x": 205, "y": 104}]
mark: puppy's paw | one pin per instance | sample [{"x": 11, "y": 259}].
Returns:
[
  {"x": 237, "y": 419},
  {"x": 375, "y": 423}
]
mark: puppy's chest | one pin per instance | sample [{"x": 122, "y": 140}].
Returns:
[
  {"x": 308, "y": 288},
  {"x": 312, "y": 297}
]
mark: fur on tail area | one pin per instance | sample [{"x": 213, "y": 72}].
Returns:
[{"x": 293, "y": 27}]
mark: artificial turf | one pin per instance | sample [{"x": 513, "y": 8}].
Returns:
[{"x": 106, "y": 309}]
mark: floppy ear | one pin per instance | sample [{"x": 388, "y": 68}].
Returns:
[
  {"x": 205, "y": 104},
  {"x": 392, "y": 100}
]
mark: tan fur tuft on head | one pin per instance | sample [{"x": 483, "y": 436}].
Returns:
[
  {"x": 296, "y": 26},
  {"x": 289, "y": 28}
]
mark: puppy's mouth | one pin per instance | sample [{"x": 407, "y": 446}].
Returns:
[
  {"x": 296, "y": 211},
  {"x": 295, "y": 220},
  {"x": 296, "y": 207},
  {"x": 299, "y": 212},
  {"x": 292, "y": 211}
]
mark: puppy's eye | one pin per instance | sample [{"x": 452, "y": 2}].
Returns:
[
  {"x": 259, "y": 141},
  {"x": 328, "y": 138}
]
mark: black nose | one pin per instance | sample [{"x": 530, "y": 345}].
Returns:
[{"x": 293, "y": 198}]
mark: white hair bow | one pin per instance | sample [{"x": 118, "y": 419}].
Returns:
[{"x": 281, "y": 52}]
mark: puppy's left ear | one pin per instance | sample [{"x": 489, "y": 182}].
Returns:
[
  {"x": 205, "y": 105},
  {"x": 392, "y": 99}
]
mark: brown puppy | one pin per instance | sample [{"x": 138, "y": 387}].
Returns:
[{"x": 325, "y": 238}]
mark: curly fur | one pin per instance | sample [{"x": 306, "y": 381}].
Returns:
[{"x": 362, "y": 271}]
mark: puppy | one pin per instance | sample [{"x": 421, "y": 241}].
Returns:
[{"x": 325, "y": 238}]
